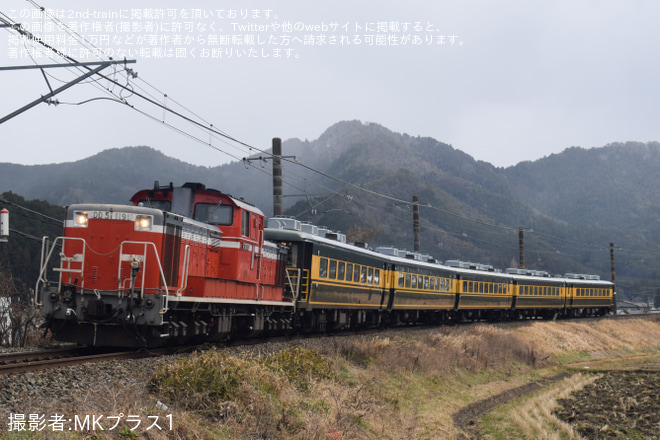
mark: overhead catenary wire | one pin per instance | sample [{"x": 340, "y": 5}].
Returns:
[{"x": 207, "y": 126}]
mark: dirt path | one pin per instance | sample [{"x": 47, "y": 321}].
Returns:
[
  {"x": 624, "y": 403},
  {"x": 467, "y": 419}
]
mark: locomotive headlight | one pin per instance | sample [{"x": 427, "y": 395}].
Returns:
[
  {"x": 80, "y": 219},
  {"x": 143, "y": 222}
]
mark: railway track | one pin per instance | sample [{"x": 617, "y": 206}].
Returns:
[{"x": 21, "y": 362}]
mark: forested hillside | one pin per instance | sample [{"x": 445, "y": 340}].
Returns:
[{"x": 360, "y": 178}]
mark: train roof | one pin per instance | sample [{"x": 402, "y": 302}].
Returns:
[
  {"x": 197, "y": 188},
  {"x": 285, "y": 228}
]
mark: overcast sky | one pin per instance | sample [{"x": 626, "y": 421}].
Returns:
[{"x": 504, "y": 81}]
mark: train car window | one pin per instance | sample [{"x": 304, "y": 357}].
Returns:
[
  {"x": 333, "y": 270},
  {"x": 363, "y": 274},
  {"x": 426, "y": 283},
  {"x": 377, "y": 277},
  {"x": 163, "y": 205},
  {"x": 323, "y": 268},
  {"x": 370, "y": 275},
  {"x": 481, "y": 287},
  {"x": 245, "y": 223},
  {"x": 341, "y": 269},
  {"x": 356, "y": 273},
  {"x": 465, "y": 286},
  {"x": 491, "y": 288},
  {"x": 349, "y": 272},
  {"x": 414, "y": 282},
  {"x": 437, "y": 284},
  {"x": 214, "y": 214},
  {"x": 402, "y": 278},
  {"x": 408, "y": 280},
  {"x": 420, "y": 282},
  {"x": 504, "y": 291}
]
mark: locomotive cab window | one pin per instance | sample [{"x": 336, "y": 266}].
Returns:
[
  {"x": 214, "y": 214},
  {"x": 163, "y": 205}
]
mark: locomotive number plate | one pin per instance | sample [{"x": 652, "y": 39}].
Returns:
[{"x": 110, "y": 215}]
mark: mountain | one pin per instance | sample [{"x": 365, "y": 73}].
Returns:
[{"x": 360, "y": 178}]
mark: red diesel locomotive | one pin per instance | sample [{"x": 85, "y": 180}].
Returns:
[{"x": 181, "y": 263}]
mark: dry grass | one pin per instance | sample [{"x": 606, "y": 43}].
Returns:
[
  {"x": 603, "y": 336},
  {"x": 396, "y": 385},
  {"x": 535, "y": 418}
]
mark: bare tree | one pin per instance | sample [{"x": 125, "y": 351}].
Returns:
[{"x": 19, "y": 320}]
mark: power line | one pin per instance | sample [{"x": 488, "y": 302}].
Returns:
[
  {"x": 206, "y": 126},
  {"x": 44, "y": 216}
]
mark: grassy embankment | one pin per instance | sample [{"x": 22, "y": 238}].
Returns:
[{"x": 394, "y": 385}]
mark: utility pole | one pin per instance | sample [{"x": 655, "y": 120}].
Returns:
[
  {"x": 277, "y": 174},
  {"x": 416, "y": 239},
  {"x": 277, "y": 177},
  {"x": 521, "y": 247},
  {"x": 613, "y": 277},
  {"x": 4, "y": 225}
]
